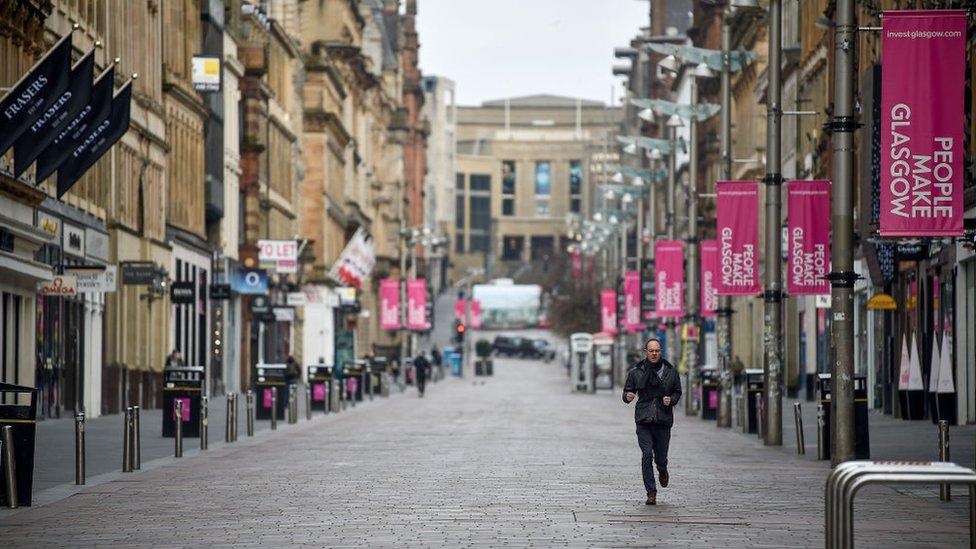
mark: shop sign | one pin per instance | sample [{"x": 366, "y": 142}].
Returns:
[
  {"x": 295, "y": 299},
  {"x": 73, "y": 240},
  {"x": 205, "y": 73},
  {"x": 249, "y": 281},
  {"x": 220, "y": 291},
  {"x": 65, "y": 285},
  {"x": 356, "y": 261},
  {"x": 284, "y": 314},
  {"x": 882, "y": 302},
  {"x": 182, "y": 293},
  {"x": 138, "y": 273},
  {"x": 280, "y": 256},
  {"x": 96, "y": 244},
  {"x": 92, "y": 280},
  {"x": 49, "y": 224}
]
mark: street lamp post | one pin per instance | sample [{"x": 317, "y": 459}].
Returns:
[
  {"x": 692, "y": 290},
  {"x": 773, "y": 296},
  {"x": 842, "y": 223},
  {"x": 674, "y": 122},
  {"x": 723, "y": 331}
]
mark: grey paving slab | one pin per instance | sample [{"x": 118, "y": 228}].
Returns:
[{"x": 515, "y": 461}]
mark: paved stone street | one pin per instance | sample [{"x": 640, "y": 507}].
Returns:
[{"x": 517, "y": 460}]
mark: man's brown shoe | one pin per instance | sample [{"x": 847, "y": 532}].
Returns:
[
  {"x": 651, "y": 498},
  {"x": 662, "y": 475}
]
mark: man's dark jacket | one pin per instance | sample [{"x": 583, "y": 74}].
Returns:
[{"x": 642, "y": 379}]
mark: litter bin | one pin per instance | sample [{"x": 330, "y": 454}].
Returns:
[
  {"x": 268, "y": 377},
  {"x": 353, "y": 376},
  {"x": 21, "y": 416},
  {"x": 182, "y": 384},
  {"x": 378, "y": 372},
  {"x": 755, "y": 385},
  {"x": 710, "y": 393},
  {"x": 319, "y": 379},
  {"x": 862, "y": 446},
  {"x": 453, "y": 358}
]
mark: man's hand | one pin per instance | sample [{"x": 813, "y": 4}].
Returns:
[
  {"x": 666, "y": 401},
  {"x": 630, "y": 396}
]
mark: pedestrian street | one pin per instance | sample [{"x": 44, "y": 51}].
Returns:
[{"x": 515, "y": 459}]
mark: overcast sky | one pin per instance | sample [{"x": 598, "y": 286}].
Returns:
[{"x": 507, "y": 48}]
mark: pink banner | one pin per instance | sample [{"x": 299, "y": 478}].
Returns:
[
  {"x": 390, "y": 304},
  {"x": 669, "y": 262},
  {"x": 417, "y": 304},
  {"x": 709, "y": 277},
  {"x": 738, "y": 237},
  {"x": 808, "y": 204},
  {"x": 922, "y": 119},
  {"x": 475, "y": 314},
  {"x": 631, "y": 321},
  {"x": 577, "y": 265},
  {"x": 459, "y": 306},
  {"x": 608, "y": 311}
]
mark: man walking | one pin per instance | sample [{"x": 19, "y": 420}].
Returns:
[
  {"x": 420, "y": 366},
  {"x": 655, "y": 384}
]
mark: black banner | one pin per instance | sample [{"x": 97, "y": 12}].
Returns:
[
  {"x": 40, "y": 134},
  {"x": 648, "y": 302},
  {"x": 98, "y": 142},
  {"x": 35, "y": 92},
  {"x": 182, "y": 293},
  {"x": 74, "y": 132},
  {"x": 220, "y": 291}
]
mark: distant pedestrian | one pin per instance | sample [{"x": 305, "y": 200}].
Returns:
[
  {"x": 175, "y": 360},
  {"x": 438, "y": 362},
  {"x": 420, "y": 366},
  {"x": 655, "y": 384},
  {"x": 292, "y": 370}
]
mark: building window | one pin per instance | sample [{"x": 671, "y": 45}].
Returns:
[
  {"x": 575, "y": 185},
  {"x": 459, "y": 221},
  {"x": 508, "y": 187},
  {"x": 541, "y": 248},
  {"x": 479, "y": 218},
  {"x": 480, "y": 182},
  {"x": 543, "y": 187}
]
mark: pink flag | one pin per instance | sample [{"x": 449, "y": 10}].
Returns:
[
  {"x": 390, "y": 304},
  {"x": 922, "y": 119},
  {"x": 417, "y": 304},
  {"x": 709, "y": 278},
  {"x": 577, "y": 265},
  {"x": 632, "y": 321},
  {"x": 738, "y": 237},
  {"x": 808, "y": 204},
  {"x": 475, "y": 314},
  {"x": 459, "y": 306},
  {"x": 608, "y": 311},
  {"x": 669, "y": 275}
]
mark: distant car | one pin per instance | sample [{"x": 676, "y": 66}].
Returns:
[
  {"x": 538, "y": 349},
  {"x": 505, "y": 345}
]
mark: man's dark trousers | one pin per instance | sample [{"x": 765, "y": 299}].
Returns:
[{"x": 653, "y": 441}]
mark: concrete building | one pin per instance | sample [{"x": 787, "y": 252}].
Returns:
[
  {"x": 523, "y": 166},
  {"x": 440, "y": 112}
]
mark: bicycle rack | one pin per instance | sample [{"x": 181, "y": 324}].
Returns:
[{"x": 848, "y": 478}]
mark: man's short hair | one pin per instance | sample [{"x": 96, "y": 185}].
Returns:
[{"x": 650, "y": 339}]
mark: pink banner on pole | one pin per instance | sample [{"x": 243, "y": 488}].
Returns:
[
  {"x": 709, "y": 278},
  {"x": 808, "y": 204},
  {"x": 631, "y": 322},
  {"x": 608, "y": 311},
  {"x": 577, "y": 265},
  {"x": 737, "y": 220},
  {"x": 922, "y": 120},
  {"x": 417, "y": 304},
  {"x": 669, "y": 273},
  {"x": 390, "y": 304},
  {"x": 459, "y": 306},
  {"x": 475, "y": 314}
]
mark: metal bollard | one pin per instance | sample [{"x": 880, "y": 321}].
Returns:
[
  {"x": 760, "y": 424},
  {"x": 204, "y": 421},
  {"x": 233, "y": 431},
  {"x": 9, "y": 466},
  {"x": 292, "y": 405},
  {"x": 821, "y": 443},
  {"x": 228, "y": 418},
  {"x": 80, "y": 449},
  {"x": 178, "y": 440},
  {"x": 308, "y": 403},
  {"x": 127, "y": 440},
  {"x": 274, "y": 408},
  {"x": 250, "y": 413},
  {"x": 136, "y": 438},
  {"x": 944, "y": 492},
  {"x": 798, "y": 419}
]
